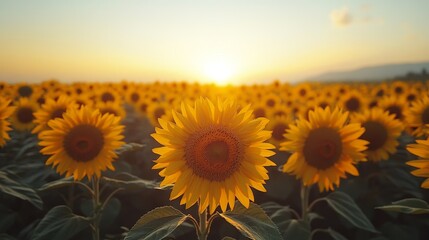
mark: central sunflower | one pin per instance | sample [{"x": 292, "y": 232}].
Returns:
[
  {"x": 213, "y": 153},
  {"x": 82, "y": 143},
  {"x": 323, "y": 148}
]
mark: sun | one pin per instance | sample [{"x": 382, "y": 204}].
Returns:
[{"x": 219, "y": 71}]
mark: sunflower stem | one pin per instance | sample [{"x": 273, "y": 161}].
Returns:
[
  {"x": 305, "y": 193},
  {"x": 203, "y": 226},
  {"x": 96, "y": 208}
]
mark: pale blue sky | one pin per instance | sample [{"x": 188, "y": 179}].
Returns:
[{"x": 176, "y": 40}]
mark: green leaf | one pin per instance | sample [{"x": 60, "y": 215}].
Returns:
[
  {"x": 344, "y": 205},
  {"x": 5, "y": 236},
  {"x": 394, "y": 231},
  {"x": 129, "y": 182},
  {"x": 228, "y": 238},
  {"x": 129, "y": 147},
  {"x": 313, "y": 216},
  {"x": 408, "y": 205},
  {"x": 334, "y": 234},
  {"x": 63, "y": 182},
  {"x": 59, "y": 223},
  {"x": 108, "y": 216},
  {"x": 297, "y": 229},
  {"x": 156, "y": 224},
  {"x": 276, "y": 211},
  {"x": 8, "y": 217},
  {"x": 252, "y": 222},
  {"x": 16, "y": 189}
]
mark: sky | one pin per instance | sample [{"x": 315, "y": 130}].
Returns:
[{"x": 207, "y": 41}]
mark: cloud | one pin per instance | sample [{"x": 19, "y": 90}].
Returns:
[{"x": 341, "y": 17}]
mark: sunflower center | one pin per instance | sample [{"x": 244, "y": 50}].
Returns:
[
  {"x": 373, "y": 104},
  {"x": 375, "y": 133},
  {"x": 143, "y": 107},
  {"x": 83, "y": 143},
  {"x": 411, "y": 97},
  {"x": 399, "y": 90},
  {"x": 159, "y": 112},
  {"x": 302, "y": 92},
  {"x": 323, "y": 148},
  {"x": 25, "y": 91},
  {"x": 396, "y": 110},
  {"x": 107, "y": 97},
  {"x": 217, "y": 152},
  {"x": 214, "y": 153},
  {"x": 323, "y": 104},
  {"x": 279, "y": 130},
  {"x": 425, "y": 116},
  {"x": 58, "y": 113},
  {"x": 135, "y": 97},
  {"x": 279, "y": 113},
  {"x": 259, "y": 112},
  {"x": 352, "y": 104},
  {"x": 25, "y": 115},
  {"x": 271, "y": 103},
  {"x": 41, "y": 100}
]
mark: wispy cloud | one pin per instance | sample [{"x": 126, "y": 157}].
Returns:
[
  {"x": 341, "y": 17},
  {"x": 344, "y": 17}
]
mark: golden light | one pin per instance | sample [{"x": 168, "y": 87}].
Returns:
[{"x": 219, "y": 71}]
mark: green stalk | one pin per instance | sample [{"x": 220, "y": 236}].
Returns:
[
  {"x": 203, "y": 226},
  {"x": 305, "y": 193},
  {"x": 96, "y": 208}
]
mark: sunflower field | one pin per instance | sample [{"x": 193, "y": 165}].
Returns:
[{"x": 183, "y": 160}]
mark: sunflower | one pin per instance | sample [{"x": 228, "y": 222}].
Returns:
[
  {"x": 379, "y": 90},
  {"x": 280, "y": 110},
  {"x": 83, "y": 99},
  {"x": 5, "y": 111},
  {"x": 158, "y": 110},
  {"x": 105, "y": 94},
  {"x": 82, "y": 143},
  {"x": 112, "y": 108},
  {"x": 398, "y": 88},
  {"x": 394, "y": 105},
  {"x": 271, "y": 100},
  {"x": 22, "y": 118},
  {"x": 278, "y": 125},
  {"x": 417, "y": 116},
  {"x": 412, "y": 95},
  {"x": 353, "y": 102},
  {"x": 52, "y": 109},
  {"x": 324, "y": 148},
  {"x": 302, "y": 91},
  {"x": 24, "y": 90},
  {"x": 382, "y": 131},
  {"x": 213, "y": 153},
  {"x": 260, "y": 110},
  {"x": 421, "y": 149},
  {"x": 142, "y": 106},
  {"x": 133, "y": 95}
]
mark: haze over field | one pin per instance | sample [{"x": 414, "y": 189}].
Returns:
[{"x": 207, "y": 41}]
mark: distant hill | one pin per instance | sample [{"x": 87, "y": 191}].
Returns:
[{"x": 374, "y": 73}]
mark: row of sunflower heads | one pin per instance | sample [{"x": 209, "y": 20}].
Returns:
[
  {"x": 214, "y": 152},
  {"x": 219, "y": 147}
]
